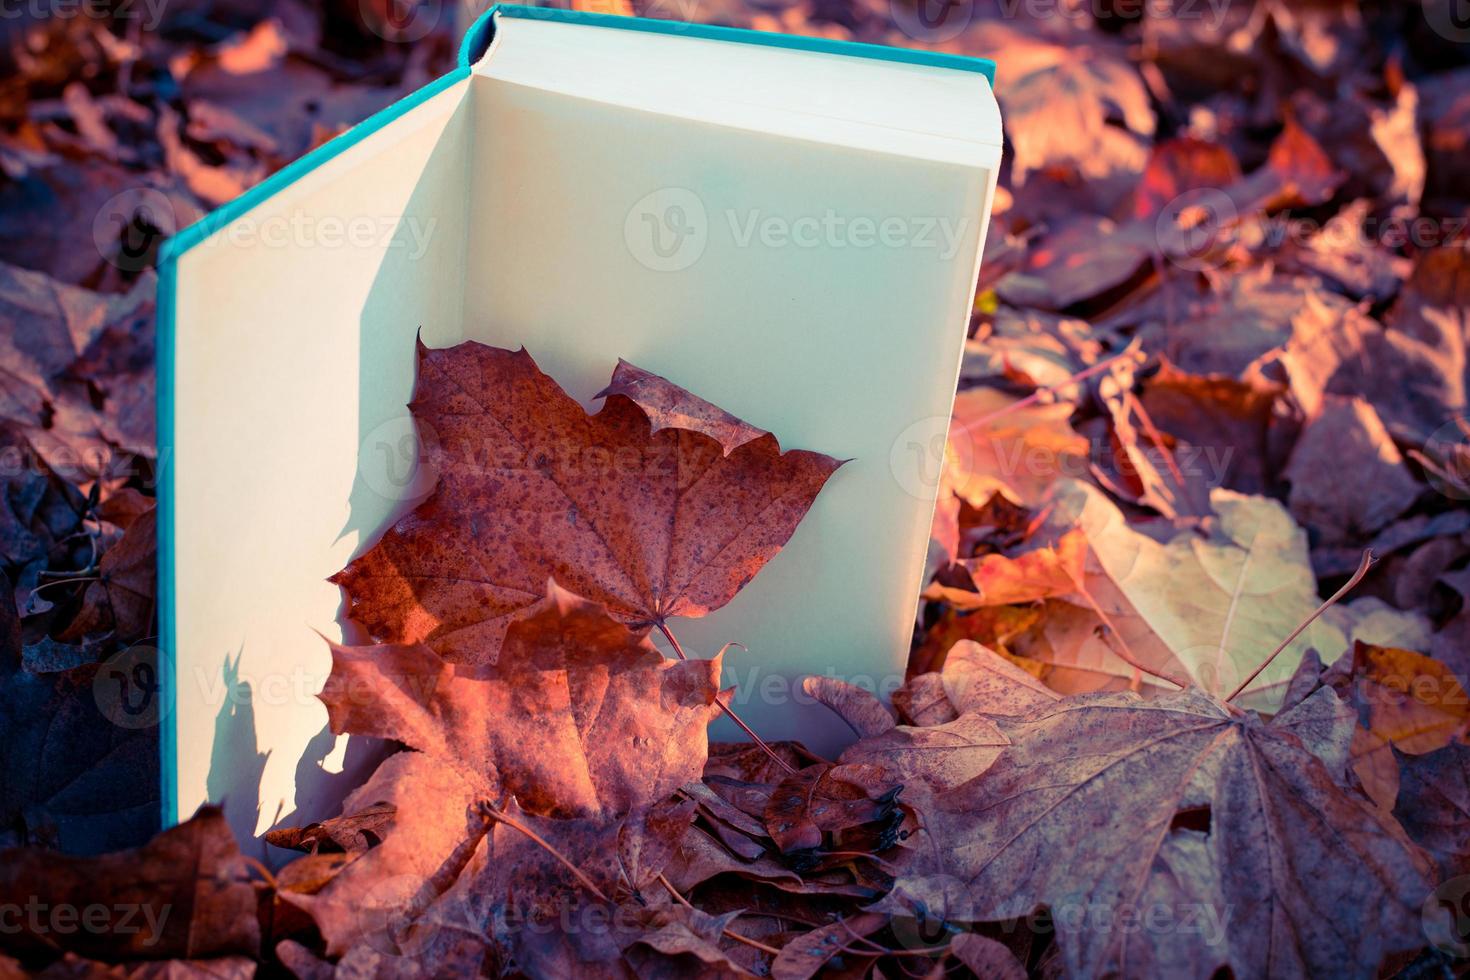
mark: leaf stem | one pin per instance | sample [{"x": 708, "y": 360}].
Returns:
[
  {"x": 673, "y": 642},
  {"x": 882, "y": 950},
  {"x": 727, "y": 930},
  {"x": 1126, "y": 653},
  {"x": 495, "y": 813},
  {"x": 1363, "y": 566}
]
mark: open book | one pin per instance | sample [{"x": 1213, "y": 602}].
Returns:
[{"x": 788, "y": 227}]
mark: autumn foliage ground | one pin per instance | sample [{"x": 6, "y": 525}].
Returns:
[{"x": 1219, "y": 351}]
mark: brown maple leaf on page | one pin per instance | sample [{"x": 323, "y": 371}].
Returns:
[
  {"x": 580, "y": 716},
  {"x": 659, "y": 505}
]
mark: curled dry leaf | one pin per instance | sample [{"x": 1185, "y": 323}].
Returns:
[
  {"x": 805, "y": 956},
  {"x": 807, "y": 807},
  {"x": 1000, "y": 580},
  {"x": 648, "y": 520},
  {"x": 861, "y": 709}
]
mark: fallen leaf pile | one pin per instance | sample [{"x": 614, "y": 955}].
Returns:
[{"x": 1218, "y": 352}]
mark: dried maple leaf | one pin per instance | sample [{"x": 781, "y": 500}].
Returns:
[
  {"x": 121, "y": 600},
  {"x": 650, "y": 521},
  {"x": 1205, "y": 608},
  {"x": 186, "y": 894},
  {"x": 1104, "y": 807},
  {"x": 1230, "y": 425},
  {"x": 578, "y": 716},
  {"x": 1348, "y": 438},
  {"x": 943, "y": 756},
  {"x": 541, "y": 915},
  {"x": 999, "y": 445},
  {"x": 1409, "y": 699},
  {"x": 1433, "y": 804},
  {"x": 431, "y": 801},
  {"x": 999, "y": 580},
  {"x": 977, "y": 679}
]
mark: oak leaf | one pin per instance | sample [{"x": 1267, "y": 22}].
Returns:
[{"x": 652, "y": 521}]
